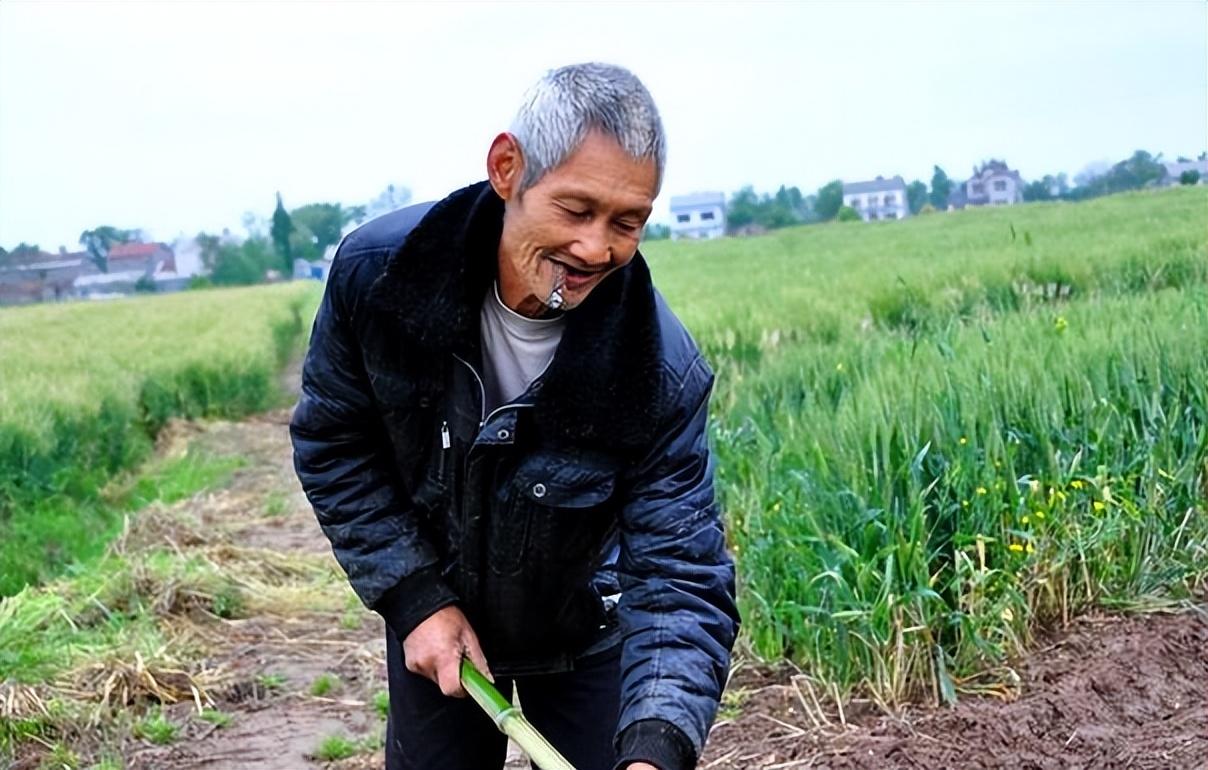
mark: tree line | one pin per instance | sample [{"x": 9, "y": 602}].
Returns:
[
  {"x": 304, "y": 232},
  {"x": 746, "y": 209}
]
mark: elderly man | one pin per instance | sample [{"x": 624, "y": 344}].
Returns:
[{"x": 502, "y": 431}]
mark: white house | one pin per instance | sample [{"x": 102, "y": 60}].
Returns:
[
  {"x": 993, "y": 184},
  {"x": 699, "y": 215},
  {"x": 1176, "y": 169},
  {"x": 880, "y": 198}
]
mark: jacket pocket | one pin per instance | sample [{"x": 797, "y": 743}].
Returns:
[{"x": 546, "y": 513}]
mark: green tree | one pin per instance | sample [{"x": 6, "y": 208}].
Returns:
[
  {"x": 941, "y": 188},
  {"x": 656, "y": 232},
  {"x": 916, "y": 195},
  {"x": 282, "y": 228},
  {"x": 847, "y": 214},
  {"x": 325, "y": 222},
  {"x": 209, "y": 246},
  {"x": 97, "y": 242},
  {"x": 829, "y": 200},
  {"x": 244, "y": 264},
  {"x": 1190, "y": 176}
]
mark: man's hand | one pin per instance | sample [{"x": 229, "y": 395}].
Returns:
[{"x": 435, "y": 647}]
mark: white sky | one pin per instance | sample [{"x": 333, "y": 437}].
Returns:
[{"x": 178, "y": 117}]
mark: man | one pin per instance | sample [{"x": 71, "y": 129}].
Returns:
[{"x": 502, "y": 431}]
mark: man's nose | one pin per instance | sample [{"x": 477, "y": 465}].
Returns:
[{"x": 593, "y": 248}]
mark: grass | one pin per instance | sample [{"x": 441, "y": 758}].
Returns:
[
  {"x": 324, "y": 684},
  {"x": 336, "y": 747},
  {"x": 156, "y": 728},
  {"x": 936, "y": 436},
  {"x": 88, "y": 386},
  {"x": 219, "y": 719}
]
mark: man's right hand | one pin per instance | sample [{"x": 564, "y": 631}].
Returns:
[{"x": 435, "y": 647}]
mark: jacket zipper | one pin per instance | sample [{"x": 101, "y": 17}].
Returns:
[
  {"x": 445, "y": 443},
  {"x": 482, "y": 396}
]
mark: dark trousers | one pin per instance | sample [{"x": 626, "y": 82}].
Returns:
[{"x": 576, "y": 711}]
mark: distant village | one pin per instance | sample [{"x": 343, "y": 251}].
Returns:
[{"x": 29, "y": 274}]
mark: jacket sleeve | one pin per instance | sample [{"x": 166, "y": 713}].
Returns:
[
  {"x": 677, "y": 609},
  {"x": 343, "y": 459}
]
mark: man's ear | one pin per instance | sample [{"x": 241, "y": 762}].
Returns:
[{"x": 505, "y": 165}]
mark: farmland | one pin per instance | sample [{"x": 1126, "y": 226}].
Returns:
[
  {"x": 86, "y": 388},
  {"x": 937, "y": 436},
  {"x": 936, "y": 439}
]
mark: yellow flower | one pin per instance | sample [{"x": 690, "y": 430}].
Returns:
[
  {"x": 1061, "y": 324},
  {"x": 1025, "y": 519},
  {"x": 1030, "y": 548},
  {"x": 1099, "y": 506},
  {"x": 776, "y": 506},
  {"x": 964, "y": 441},
  {"x": 1016, "y": 547},
  {"x": 1034, "y": 485},
  {"x": 1077, "y": 484},
  {"x": 1039, "y": 514},
  {"x": 981, "y": 490},
  {"x": 964, "y": 503},
  {"x": 839, "y": 367},
  {"x": 1061, "y": 496}
]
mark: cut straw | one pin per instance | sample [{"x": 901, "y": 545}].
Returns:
[{"x": 510, "y": 721}]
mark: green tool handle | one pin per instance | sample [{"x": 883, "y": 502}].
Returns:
[{"x": 510, "y": 720}]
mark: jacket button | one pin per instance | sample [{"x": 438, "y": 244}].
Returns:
[
  {"x": 538, "y": 490},
  {"x": 503, "y": 434}
]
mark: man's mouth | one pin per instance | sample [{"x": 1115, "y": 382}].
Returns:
[{"x": 576, "y": 277}]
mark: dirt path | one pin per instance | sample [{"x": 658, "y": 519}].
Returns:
[
  {"x": 1110, "y": 693},
  {"x": 272, "y": 661}
]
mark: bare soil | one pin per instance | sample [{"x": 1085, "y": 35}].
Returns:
[{"x": 1109, "y": 692}]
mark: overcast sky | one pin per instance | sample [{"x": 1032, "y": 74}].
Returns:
[{"x": 178, "y": 117}]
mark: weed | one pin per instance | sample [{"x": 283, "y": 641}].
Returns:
[
  {"x": 336, "y": 747},
  {"x": 324, "y": 684},
  {"x": 156, "y": 728}
]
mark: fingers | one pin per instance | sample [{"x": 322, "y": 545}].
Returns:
[
  {"x": 473, "y": 651},
  {"x": 448, "y": 676}
]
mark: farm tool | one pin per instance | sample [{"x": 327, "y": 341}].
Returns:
[{"x": 510, "y": 720}]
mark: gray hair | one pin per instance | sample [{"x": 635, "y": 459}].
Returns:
[{"x": 567, "y": 103}]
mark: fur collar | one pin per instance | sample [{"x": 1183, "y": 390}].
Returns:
[{"x": 601, "y": 393}]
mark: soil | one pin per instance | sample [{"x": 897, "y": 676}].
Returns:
[{"x": 1109, "y": 692}]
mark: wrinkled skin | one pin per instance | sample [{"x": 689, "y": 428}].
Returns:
[{"x": 577, "y": 224}]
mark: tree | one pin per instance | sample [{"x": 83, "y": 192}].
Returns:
[
  {"x": 208, "y": 246},
  {"x": 656, "y": 232},
  {"x": 245, "y": 263},
  {"x": 829, "y": 200},
  {"x": 325, "y": 222},
  {"x": 941, "y": 188},
  {"x": 22, "y": 254},
  {"x": 282, "y": 228},
  {"x": 1190, "y": 176},
  {"x": 847, "y": 214},
  {"x": 99, "y": 241},
  {"x": 391, "y": 199},
  {"x": 916, "y": 195}
]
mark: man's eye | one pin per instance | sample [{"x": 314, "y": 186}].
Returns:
[
  {"x": 627, "y": 227},
  {"x": 577, "y": 213}
]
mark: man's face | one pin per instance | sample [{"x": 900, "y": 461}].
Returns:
[{"x": 580, "y": 222}]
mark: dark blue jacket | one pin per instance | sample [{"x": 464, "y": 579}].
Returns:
[{"x": 597, "y": 481}]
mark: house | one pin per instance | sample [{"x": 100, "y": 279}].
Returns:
[
  {"x": 993, "y": 184},
  {"x": 1175, "y": 171},
  {"x": 879, "y": 198},
  {"x": 699, "y": 215},
  {"x": 45, "y": 278},
  {"x": 148, "y": 257},
  {"x": 132, "y": 266}
]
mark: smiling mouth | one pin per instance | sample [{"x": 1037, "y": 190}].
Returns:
[{"x": 575, "y": 273}]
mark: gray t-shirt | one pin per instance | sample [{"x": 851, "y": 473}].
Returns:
[{"x": 515, "y": 349}]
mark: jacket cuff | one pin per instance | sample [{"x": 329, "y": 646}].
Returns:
[
  {"x": 412, "y": 600},
  {"x": 656, "y": 742}
]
